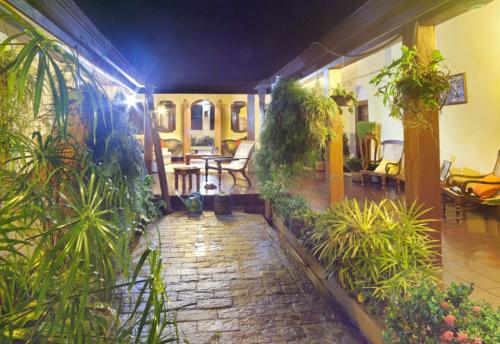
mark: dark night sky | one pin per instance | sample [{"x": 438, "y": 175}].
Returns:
[{"x": 213, "y": 45}]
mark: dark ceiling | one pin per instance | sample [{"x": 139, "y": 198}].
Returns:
[{"x": 213, "y": 46}]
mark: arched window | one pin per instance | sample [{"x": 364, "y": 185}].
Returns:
[{"x": 239, "y": 117}]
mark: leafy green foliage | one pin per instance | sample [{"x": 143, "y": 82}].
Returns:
[
  {"x": 377, "y": 251},
  {"x": 298, "y": 123},
  {"x": 67, "y": 212},
  {"x": 412, "y": 88},
  {"x": 354, "y": 164},
  {"x": 287, "y": 206},
  {"x": 430, "y": 315},
  {"x": 343, "y": 97},
  {"x": 43, "y": 67}
]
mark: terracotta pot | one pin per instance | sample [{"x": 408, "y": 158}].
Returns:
[{"x": 320, "y": 166}]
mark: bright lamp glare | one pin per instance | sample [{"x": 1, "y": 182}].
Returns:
[
  {"x": 162, "y": 111},
  {"x": 131, "y": 100}
]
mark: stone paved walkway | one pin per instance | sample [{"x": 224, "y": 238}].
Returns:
[{"x": 230, "y": 282}]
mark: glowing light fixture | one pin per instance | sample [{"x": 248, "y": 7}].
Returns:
[{"x": 131, "y": 100}]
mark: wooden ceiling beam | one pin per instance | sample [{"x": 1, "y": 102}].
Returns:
[{"x": 371, "y": 24}]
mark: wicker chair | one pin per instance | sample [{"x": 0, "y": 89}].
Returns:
[{"x": 389, "y": 165}]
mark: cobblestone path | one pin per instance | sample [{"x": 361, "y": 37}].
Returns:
[{"x": 230, "y": 282}]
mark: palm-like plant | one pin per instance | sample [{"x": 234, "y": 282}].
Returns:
[
  {"x": 65, "y": 222},
  {"x": 378, "y": 250}
]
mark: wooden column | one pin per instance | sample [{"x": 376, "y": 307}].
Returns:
[
  {"x": 251, "y": 117},
  {"x": 160, "y": 164},
  {"x": 186, "y": 125},
  {"x": 218, "y": 125},
  {"x": 421, "y": 147},
  {"x": 335, "y": 161},
  {"x": 148, "y": 141},
  {"x": 261, "y": 91}
]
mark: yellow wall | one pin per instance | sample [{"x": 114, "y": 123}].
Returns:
[
  {"x": 356, "y": 77},
  {"x": 226, "y": 99},
  {"x": 470, "y": 133}
]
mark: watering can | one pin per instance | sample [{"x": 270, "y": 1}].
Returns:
[{"x": 193, "y": 203}]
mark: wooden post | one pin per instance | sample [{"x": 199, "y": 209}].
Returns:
[
  {"x": 162, "y": 175},
  {"x": 336, "y": 163},
  {"x": 186, "y": 124},
  {"x": 218, "y": 125},
  {"x": 421, "y": 147},
  {"x": 251, "y": 117},
  {"x": 262, "y": 104},
  {"x": 148, "y": 141}
]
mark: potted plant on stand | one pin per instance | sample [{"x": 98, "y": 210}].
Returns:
[{"x": 367, "y": 138}]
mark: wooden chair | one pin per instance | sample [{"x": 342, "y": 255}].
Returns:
[
  {"x": 389, "y": 165},
  {"x": 462, "y": 185},
  {"x": 236, "y": 164},
  {"x": 368, "y": 149},
  {"x": 459, "y": 189}
]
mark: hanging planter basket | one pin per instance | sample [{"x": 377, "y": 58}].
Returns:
[{"x": 342, "y": 100}]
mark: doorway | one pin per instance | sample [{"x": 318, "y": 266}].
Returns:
[{"x": 361, "y": 114}]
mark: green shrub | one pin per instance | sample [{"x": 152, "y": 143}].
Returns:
[
  {"x": 298, "y": 123},
  {"x": 354, "y": 164},
  {"x": 427, "y": 314},
  {"x": 377, "y": 251}
]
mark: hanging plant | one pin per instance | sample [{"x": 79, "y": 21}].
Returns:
[
  {"x": 298, "y": 124},
  {"x": 412, "y": 88},
  {"x": 343, "y": 97}
]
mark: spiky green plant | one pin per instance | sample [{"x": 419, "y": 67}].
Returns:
[
  {"x": 65, "y": 222},
  {"x": 375, "y": 250}
]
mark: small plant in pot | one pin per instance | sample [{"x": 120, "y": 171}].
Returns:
[
  {"x": 343, "y": 97},
  {"x": 320, "y": 161},
  {"x": 354, "y": 165}
]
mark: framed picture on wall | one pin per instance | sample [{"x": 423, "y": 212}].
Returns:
[{"x": 458, "y": 90}]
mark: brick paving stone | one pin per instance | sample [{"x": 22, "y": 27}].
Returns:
[{"x": 230, "y": 281}]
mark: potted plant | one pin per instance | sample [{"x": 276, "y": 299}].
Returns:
[
  {"x": 320, "y": 161},
  {"x": 354, "y": 165},
  {"x": 343, "y": 97},
  {"x": 363, "y": 128},
  {"x": 412, "y": 88}
]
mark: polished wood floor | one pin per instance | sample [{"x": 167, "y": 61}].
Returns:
[{"x": 470, "y": 248}]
